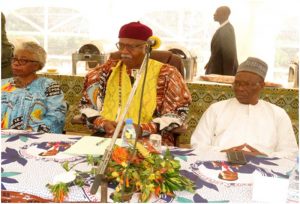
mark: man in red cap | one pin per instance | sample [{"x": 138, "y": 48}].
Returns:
[{"x": 107, "y": 87}]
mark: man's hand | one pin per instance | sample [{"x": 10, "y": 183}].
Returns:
[
  {"x": 79, "y": 119},
  {"x": 138, "y": 130},
  {"x": 246, "y": 149},
  {"x": 179, "y": 130},
  {"x": 109, "y": 127}
]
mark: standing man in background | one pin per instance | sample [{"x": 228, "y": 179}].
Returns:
[
  {"x": 6, "y": 52},
  {"x": 223, "y": 59}
]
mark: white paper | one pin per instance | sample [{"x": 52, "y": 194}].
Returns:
[
  {"x": 269, "y": 189},
  {"x": 89, "y": 112},
  {"x": 95, "y": 146},
  {"x": 166, "y": 121}
]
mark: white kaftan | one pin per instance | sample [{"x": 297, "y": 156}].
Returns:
[{"x": 229, "y": 123}]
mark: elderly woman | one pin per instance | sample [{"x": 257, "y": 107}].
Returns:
[{"x": 29, "y": 102}]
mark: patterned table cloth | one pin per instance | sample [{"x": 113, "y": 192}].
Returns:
[{"x": 25, "y": 167}]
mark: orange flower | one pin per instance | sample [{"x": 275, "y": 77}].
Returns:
[
  {"x": 120, "y": 155},
  {"x": 163, "y": 170},
  {"x": 59, "y": 192},
  {"x": 59, "y": 196},
  {"x": 157, "y": 191},
  {"x": 127, "y": 182}
]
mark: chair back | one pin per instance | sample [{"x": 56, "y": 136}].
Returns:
[{"x": 163, "y": 56}]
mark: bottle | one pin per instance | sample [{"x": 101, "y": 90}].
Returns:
[
  {"x": 128, "y": 133},
  {"x": 293, "y": 190}
]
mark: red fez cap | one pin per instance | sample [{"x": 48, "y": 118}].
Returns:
[{"x": 135, "y": 30}]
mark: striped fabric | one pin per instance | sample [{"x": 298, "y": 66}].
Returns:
[{"x": 173, "y": 98}]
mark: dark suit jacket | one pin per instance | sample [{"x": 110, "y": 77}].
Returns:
[{"x": 223, "y": 59}]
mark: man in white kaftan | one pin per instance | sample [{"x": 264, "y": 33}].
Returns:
[{"x": 245, "y": 122}]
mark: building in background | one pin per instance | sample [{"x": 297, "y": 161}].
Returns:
[{"x": 263, "y": 28}]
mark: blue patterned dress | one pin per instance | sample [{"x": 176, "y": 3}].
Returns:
[{"x": 40, "y": 106}]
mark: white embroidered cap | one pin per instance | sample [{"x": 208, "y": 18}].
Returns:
[{"x": 254, "y": 65}]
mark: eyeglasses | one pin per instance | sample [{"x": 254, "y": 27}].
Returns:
[
  {"x": 21, "y": 61},
  {"x": 129, "y": 47},
  {"x": 244, "y": 84}
]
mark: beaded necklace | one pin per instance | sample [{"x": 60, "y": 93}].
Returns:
[
  {"x": 120, "y": 95},
  {"x": 134, "y": 73}
]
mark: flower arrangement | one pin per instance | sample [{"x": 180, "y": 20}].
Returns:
[{"x": 145, "y": 172}]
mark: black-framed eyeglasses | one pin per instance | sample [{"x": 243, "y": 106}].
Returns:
[
  {"x": 22, "y": 61},
  {"x": 244, "y": 84},
  {"x": 122, "y": 46}
]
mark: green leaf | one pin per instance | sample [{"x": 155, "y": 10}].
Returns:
[
  {"x": 183, "y": 200},
  {"x": 23, "y": 139},
  {"x": 145, "y": 195},
  {"x": 219, "y": 201},
  {"x": 168, "y": 155},
  {"x": 163, "y": 188},
  {"x": 65, "y": 165},
  {"x": 90, "y": 159},
  {"x": 79, "y": 182},
  {"x": 5, "y": 136},
  {"x": 9, "y": 174},
  {"x": 175, "y": 164},
  {"x": 172, "y": 186},
  {"x": 182, "y": 157}
]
